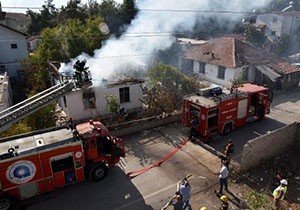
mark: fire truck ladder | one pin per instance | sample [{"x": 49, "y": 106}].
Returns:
[{"x": 34, "y": 103}]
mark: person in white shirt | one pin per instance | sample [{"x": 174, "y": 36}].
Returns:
[{"x": 223, "y": 175}]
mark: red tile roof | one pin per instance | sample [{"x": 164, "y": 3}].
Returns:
[
  {"x": 233, "y": 53},
  {"x": 219, "y": 52}
]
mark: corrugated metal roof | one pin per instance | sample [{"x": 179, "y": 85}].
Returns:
[{"x": 268, "y": 72}]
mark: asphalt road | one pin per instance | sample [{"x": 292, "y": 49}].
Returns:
[{"x": 150, "y": 190}]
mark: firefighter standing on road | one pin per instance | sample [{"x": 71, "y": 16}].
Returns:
[
  {"x": 228, "y": 151},
  {"x": 279, "y": 193}
]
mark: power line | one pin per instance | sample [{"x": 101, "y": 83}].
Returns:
[{"x": 164, "y": 10}]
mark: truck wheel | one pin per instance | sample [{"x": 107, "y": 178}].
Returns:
[
  {"x": 98, "y": 172},
  {"x": 7, "y": 202},
  {"x": 227, "y": 129}
]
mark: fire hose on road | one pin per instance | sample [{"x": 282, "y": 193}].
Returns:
[{"x": 136, "y": 173}]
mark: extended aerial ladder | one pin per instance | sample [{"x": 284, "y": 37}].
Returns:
[
  {"x": 34, "y": 103},
  {"x": 38, "y": 101}
]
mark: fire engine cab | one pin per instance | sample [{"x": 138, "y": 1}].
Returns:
[
  {"x": 41, "y": 161},
  {"x": 221, "y": 110}
]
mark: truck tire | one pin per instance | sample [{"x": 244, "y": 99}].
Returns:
[
  {"x": 7, "y": 202},
  {"x": 227, "y": 129},
  {"x": 98, "y": 172}
]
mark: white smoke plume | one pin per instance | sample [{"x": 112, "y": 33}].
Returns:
[{"x": 153, "y": 30}]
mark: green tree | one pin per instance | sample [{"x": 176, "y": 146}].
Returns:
[
  {"x": 73, "y": 10},
  {"x": 168, "y": 85},
  {"x": 282, "y": 44},
  {"x": 110, "y": 11},
  {"x": 70, "y": 39},
  {"x": 112, "y": 103},
  {"x": 47, "y": 17},
  {"x": 128, "y": 11},
  {"x": 15, "y": 129},
  {"x": 254, "y": 36}
]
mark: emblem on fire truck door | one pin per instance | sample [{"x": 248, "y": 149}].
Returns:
[{"x": 21, "y": 172}]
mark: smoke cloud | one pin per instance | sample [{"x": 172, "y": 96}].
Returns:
[{"x": 153, "y": 31}]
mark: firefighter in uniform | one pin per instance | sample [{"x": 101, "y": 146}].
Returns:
[
  {"x": 279, "y": 193},
  {"x": 224, "y": 199},
  {"x": 80, "y": 68},
  {"x": 228, "y": 150}
]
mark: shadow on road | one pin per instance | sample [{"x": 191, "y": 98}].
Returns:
[
  {"x": 115, "y": 192},
  {"x": 242, "y": 135}
]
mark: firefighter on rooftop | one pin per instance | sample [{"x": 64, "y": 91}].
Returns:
[{"x": 80, "y": 68}]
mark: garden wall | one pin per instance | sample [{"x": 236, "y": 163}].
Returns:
[{"x": 268, "y": 146}]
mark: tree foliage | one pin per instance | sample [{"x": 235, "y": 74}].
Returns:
[
  {"x": 282, "y": 44},
  {"x": 116, "y": 16},
  {"x": 167, "y": 88},
  {"x": 15, "y": 129},
  {"x": 254, "y": 36},
  {"x": 47, "y": 17}
]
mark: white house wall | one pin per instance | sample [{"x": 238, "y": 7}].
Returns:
[
  {"x": 75, "y": 108},
  {"x": 211, "y": 74},
  {"x": 268, "y": 20},
  {"x": 9, "y": 57},
  {"x": 286, "y": 24},
  {"x": 290, "y": 24}
]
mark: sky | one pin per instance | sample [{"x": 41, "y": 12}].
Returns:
[{"x": 34, "y": 4}]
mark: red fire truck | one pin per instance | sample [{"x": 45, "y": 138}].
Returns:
[
  {"x": 39, "y": 162},
  {"x": 222, "y": 110}
]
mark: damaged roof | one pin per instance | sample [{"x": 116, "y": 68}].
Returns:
[{"x": 231, "y": 52}]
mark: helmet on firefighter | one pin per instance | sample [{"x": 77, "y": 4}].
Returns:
[
  {"x": 203, "y": 208},
  {"x": 224, "y": 198},
  {"x": 284, "y": 182}
]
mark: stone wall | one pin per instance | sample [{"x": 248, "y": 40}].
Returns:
[
  {"x": 270, "y": 145},
  {"x": 143, "y": 124}
]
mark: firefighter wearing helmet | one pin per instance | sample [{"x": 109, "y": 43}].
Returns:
[
  {"x": 224, "y": 200},
  {"x": 203, "y": 208},
  {"x": 279, "y": 193}
]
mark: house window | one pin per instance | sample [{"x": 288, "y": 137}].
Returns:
[
  {"x": 273, "y": 33},
  {"x": 275, "y": 20},
  {"x": 89, "y": 101},
  {"x": 221, "y": 72},
  {"x": 124, "y": 94},
  {"x": 13, "y": 46},
  {"x": 202, "y": 67}
]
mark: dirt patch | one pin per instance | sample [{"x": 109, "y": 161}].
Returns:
[{"x": 265, "y": 178}]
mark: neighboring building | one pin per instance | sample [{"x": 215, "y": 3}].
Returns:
[
  {"x": 17, "y": 21},
  {"x": 226, "y": 60},
  {"x": 32, "y": 43},
  {"x": 276, "y": 24},
  {"x": 5, "y": 92},
  {"x": 13, "y": 50},
  {"x": 83, "y": 104}
]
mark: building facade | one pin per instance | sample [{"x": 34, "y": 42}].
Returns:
[
  {"x": 13, "y": 51},
  {"x": 83, "y": 104},
  {"x": 5, "y": 92},
  {"x": 277, "y": 24},
  {"x": 227, "y": 61}
]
